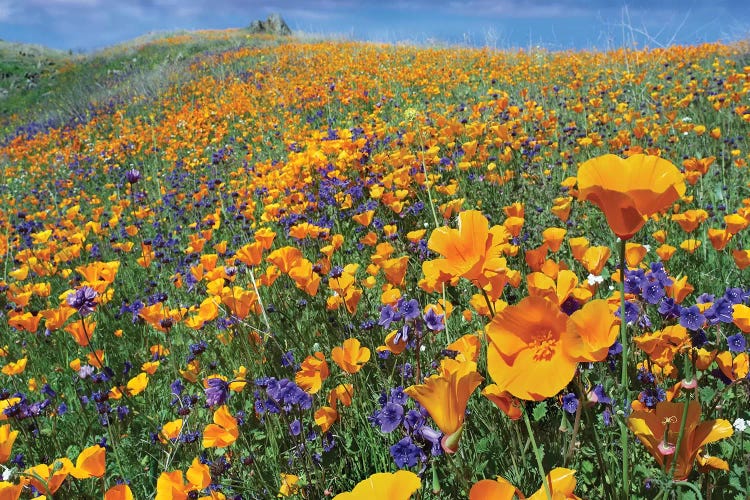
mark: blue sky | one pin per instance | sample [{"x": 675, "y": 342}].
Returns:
[{"x": 85, "y": 25}]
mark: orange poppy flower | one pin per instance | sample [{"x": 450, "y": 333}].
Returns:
[
  {"x": 663, "y": 345},
  {"x": 553, "y": 237},
  {"x": 561, "y": 207},
  {"x": 561, "y": 483},
  {"x": 658, "y": 431},
  {"x": 90, "y": 463},
  {"x": 472, "y": 251},
  {"x": 342, "y": 393},
  {"x": 741, "y": 315},
  {"x": 665, "y": 252},
  {"x": 399, "y": 485},
  {"x": 7, "y": 438},
  {"x": 313, "y": 371},
  {"x": 119, "y": 492},
  {"x": 15, "y": 367},
  {"x": 734, "y": 368},
  {"x": 558, "y": 291},
  {"x": 596, "y": 328},
  {"x": 325, "y": 417},
  {"x": 82, "y": 332},
  {"x": 689, "y": 220},
  {"x": 503, "y": 400},
  {"x": 530, "y": 337},
  {"x": 741, "y": 258},
  {"x": 289, "y": 485},
  {"x": 595, "y": 258},
  {"x": 445, "y": 397},
  {"x": 351, "y": 356},
  {"x": 578, "y": 247},
  {"x": 137, "y": 384},
  {"x": 629, "y": 190},
  {"x": 735, "y": 223},
  {"x": 223, "y": 431}
]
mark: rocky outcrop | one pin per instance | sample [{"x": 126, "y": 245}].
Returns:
[{"x": 274, "y": 25}]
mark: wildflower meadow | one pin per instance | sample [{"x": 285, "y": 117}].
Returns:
[{"x": 245, "y": 267}]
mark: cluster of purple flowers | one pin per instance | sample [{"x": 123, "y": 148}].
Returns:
[
  {"x": 280, "y": 396},
  {"x": 420, "y": 440},
  {"x": 650, "y": 287},
  {"x": 414, "y": 322}
]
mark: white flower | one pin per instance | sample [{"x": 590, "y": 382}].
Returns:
[
  {"x": 593, "y": 279},
  {"x": 740, "y": 425},
  {"x": 647, "y": 247}
]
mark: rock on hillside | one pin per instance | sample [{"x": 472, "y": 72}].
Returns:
[{"x": 274, "y": 25}]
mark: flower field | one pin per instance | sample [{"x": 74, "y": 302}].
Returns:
[{"x": 318, "y": 269}]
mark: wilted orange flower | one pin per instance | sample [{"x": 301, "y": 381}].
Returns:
[
  {"x": 399, "y": 485},
  {"x": 351, "y": 356},
  {"x": 313, "y": 371},
  {"x": 629, "y": 190},
  {"x": 530, "y": 335},
  {"x": 561, "y": 483},
  {"x": 223, "y": 431},
  {"x": 445, "y": 397},
  {"x": 658, "y": 431}
]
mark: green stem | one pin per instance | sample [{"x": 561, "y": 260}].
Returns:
[
  {"x": 685, "y": 408},
  {"x": 537, "y": 454},
  {"x": 624, "y": 375}
]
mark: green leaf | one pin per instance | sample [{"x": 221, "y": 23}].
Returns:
[{"x": 540, "y": 411}]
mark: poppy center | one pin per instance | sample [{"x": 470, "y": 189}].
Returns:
[{"x": 543, "y": 345}]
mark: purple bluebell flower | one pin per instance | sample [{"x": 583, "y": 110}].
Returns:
[
  {"x": 295, "y": 428},
  {"x": 434, "y": 321},
  {"x": 691, "y": 318},
  {"x": 405, "y": 453},
  {"x": 737, "y": 343},
  {"x": 132, "y": 176},
  {"x": 597, "y": 395},
  {"x": 720, "y": 311},
  {"x": 409, "y": 309},
  {"x": 570, "y": 402},
  {"x": 387, "y": 316},
  {"x": 217, "y": 391},
  {"x": 652, "y": 291},
  {"x": 669, "y": 308},
  {"x": 83, "y": 300},
  {"x": 736, "y": 295},
  {"x": 390, "y": 417}
]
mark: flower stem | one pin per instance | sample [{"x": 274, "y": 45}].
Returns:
[
  {"x": 537, "y": 454},
  {"x": 685, "y": 408},
  {"x": 624, "y": 375}
]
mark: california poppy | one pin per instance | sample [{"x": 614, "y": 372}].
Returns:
[
  {"x": 223, "y": 431},
  {"x": 7, "y": 438},
  {"x": 445, "y": 397},
  {"x": 399, "y": 485},
  {"x": 560, "y": 481},
  {"x": 530, "y": 336},
  {"x": 629, "y": 190},
  {"x": 658, "y": 431},
  {"x": 351, "y": 356},
  {"x": 313, "y": 371}
]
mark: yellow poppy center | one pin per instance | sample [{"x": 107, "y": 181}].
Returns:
[{"x": 543, "y": 345}]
